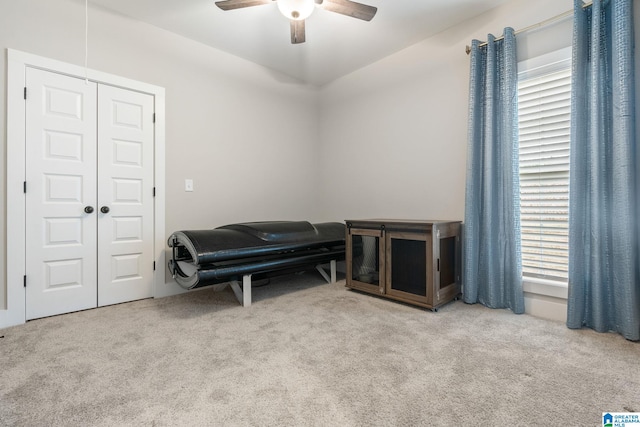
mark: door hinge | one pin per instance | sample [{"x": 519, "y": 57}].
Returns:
[
  {"x": 24, "y": 187},
  {"x": 154, "y": 191},
  {"x": 24, "y": 281},
  {"x": 25, "y": 92},
  {"x": 154, "y": 117},
  {"x": 154, "y": 266},
  {"x": 438, "y": 265}
]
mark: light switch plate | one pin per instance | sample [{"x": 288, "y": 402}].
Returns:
[{"x": 188, "y": 185}]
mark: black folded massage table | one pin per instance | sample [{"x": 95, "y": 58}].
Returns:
[{"x": 255, "y": 249}]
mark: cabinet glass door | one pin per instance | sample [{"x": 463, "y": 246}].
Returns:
[{"x": 365, "y": 266}]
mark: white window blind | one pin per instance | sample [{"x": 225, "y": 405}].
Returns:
[{"x": 544, "y": 114}]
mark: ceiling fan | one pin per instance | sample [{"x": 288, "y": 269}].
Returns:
[{"x": 299, "y": 10}]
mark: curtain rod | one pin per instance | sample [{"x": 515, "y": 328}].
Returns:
[{"x": 534, "y": 26}]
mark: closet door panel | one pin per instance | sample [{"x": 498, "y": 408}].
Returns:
[
  {"x": 61, "y": 232},
  {"x": 125, "y": 195}
]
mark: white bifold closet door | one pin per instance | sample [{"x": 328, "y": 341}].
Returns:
[{"x": 89, "y": 194}]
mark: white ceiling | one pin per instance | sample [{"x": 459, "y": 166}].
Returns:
[{"x": 335, "y": 44}]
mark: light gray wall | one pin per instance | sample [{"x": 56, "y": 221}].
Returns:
[
  {"x": 394, "y": 134},
  {"x": 248, "y": 138}
]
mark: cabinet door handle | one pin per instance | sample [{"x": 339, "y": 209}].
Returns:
[
  {"x": 104, "y": 209},
  {"x": 88, "y": 209}
]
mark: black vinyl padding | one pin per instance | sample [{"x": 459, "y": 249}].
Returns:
[{"x": 260, "y": 248}]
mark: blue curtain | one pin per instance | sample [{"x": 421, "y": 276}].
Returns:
[
  {"x": 604, "y": 276},
  {"x": 492, "y": 267}
]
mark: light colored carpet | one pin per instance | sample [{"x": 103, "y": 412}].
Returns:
[{"x": 310, "y": 353}]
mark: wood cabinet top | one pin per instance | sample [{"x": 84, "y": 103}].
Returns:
[{"x": 402, "y": 223}]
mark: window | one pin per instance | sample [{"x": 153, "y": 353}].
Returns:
[{"x": 544, "y": 120}]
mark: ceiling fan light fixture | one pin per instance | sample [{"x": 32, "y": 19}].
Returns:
[{"x": 296, "y": 9}]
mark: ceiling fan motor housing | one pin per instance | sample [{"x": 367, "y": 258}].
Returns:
[{"x": 296, "y": 9}]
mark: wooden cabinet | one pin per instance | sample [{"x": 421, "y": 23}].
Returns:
[{"x": 417, "y": 262}]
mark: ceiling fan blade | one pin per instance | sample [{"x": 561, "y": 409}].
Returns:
[
  {"x": 297, "y": 31},
  {"x": 350, "y": 8},
  {"x": 238, "y": 4}
]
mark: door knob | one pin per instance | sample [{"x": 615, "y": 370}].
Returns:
[
  {"x": 88, "y": 209},
  {"x": 104, "y": 209}
]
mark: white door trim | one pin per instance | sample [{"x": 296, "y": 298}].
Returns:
[{"x": 17, "y": 63}]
